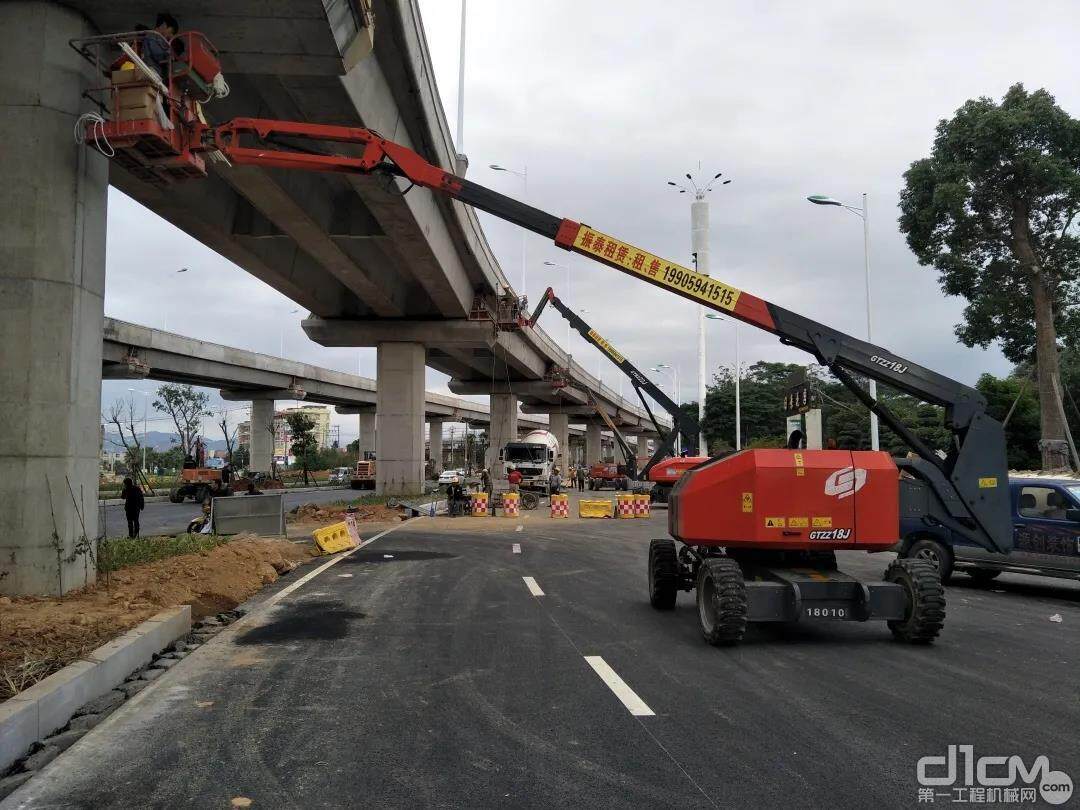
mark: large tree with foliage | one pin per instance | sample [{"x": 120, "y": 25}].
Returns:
[
  {"x": 186, "y": 407},
  {"x": 992, "y": 210},
  {"x": 304, "y": 444}
]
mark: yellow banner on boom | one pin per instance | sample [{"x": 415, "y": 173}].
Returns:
[
  {"x": 652, "y": 268},
  {"x": 607, "y": 347}
]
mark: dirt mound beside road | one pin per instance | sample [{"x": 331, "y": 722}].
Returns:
[
  {"x": 39, "y": 635},
  {"x": 333, "y": 513}
]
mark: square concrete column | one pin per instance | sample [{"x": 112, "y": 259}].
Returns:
[
  {"x": 559, "y": 425},
  {"x": 435, "y": 448},
  {"x": 52, "y": 282},
  {"x": 262, "y": 440},
  {"x": 367, "y": 434},
  {"x": 503, "y": 429},
  {"x": 399, "y": 403},
  {"x": 594, "y": 452}
]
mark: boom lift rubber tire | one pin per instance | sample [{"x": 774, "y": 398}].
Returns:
[
  {"x": 663, "y": 574},
  {"x": 934, "y": 553},
  {"x": 982, "y": 576},
  {"x": 925, "y": 612},
  {"x": 721, "y": 601}
]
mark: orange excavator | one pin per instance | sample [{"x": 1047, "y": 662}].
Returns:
[{"x": 753, "y": 534}]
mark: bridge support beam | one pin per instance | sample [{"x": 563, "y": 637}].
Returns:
[
  {"x": 52, "y": 272},
  {"x": 435, "y": 448},
  {"x": 594, "y": 451},
  {"x": 559, "y": 425},
  {"x": 367, "y": 434},
  {"x": 262, "y": 439},
  {"x": 503, "y": 429},
  {"x": 399, "y": 403}
]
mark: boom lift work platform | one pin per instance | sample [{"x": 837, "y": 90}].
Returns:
[{"x": 754, "y": 534}]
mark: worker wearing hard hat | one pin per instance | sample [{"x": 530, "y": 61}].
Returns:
[{"x": 513, "y": 478}]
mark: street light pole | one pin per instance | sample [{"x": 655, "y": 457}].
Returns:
[
  {"x": 699, "y": 241},
  {"x": 524, "y": 175},
  {"x": 864, "y": 214},
  {"x": 661, "y": 367},
  {"x": 712, "y": 316},
  {"x": 461, "y": 86}
]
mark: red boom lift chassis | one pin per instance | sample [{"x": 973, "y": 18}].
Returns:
[{"x": 754, "y": 533}]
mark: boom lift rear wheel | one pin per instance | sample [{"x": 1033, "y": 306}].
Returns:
[
  {"x": 721, "y": 601},
  {"x": 925, "y": 611},
  {"x": 663, "y": 574}
]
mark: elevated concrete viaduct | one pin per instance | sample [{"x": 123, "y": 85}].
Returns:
[{"x": 372, "y": 264}]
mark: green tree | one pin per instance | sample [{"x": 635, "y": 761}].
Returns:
[
  {"x": 992, "y": 211},
  {"x": 186, "y": 407},
  {"x": 304, "y": 445},
  {"x": 1015, "y": 397}
]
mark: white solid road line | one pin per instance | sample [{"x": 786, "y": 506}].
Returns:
[
  {"x": 628, "y": 696},
  {"x": 534, "y": 589},
  {"x": 310, "y": 576},
  {"x": 517, "y": 548}
]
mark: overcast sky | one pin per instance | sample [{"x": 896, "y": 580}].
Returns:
[{"x": 604, "y": 102}]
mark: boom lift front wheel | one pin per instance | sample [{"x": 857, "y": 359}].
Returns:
[
  {"x": 663, "y": 574},
  {"x": 925, "y": 611}
]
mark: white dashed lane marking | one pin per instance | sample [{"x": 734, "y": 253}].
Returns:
[
  {"x": 517, "y": 548},
  {"x": 534, "y": 589},
  {"x": 635, "y": 705}
]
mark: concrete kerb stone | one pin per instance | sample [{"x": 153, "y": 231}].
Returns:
[{"x": 49, "y": 704}]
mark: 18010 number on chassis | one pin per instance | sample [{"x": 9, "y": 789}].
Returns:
[{"x": 756, "y": 547}]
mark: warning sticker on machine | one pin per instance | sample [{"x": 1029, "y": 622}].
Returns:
[
  {"x": 987, "y": 483},
  {"x": 822, "y": 523},
  {"x": 798, "y": 523},
  {"x": 652, "y": 268},
  {"x": 775, "y": 523},
  {"x": 748, "y": 501}
]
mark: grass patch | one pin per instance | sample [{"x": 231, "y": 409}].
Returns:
[{"x": 120, "y": 552}]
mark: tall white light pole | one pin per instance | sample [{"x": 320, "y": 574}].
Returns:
[
  {"x": 524, "y": 175},
  {"x": 461, "y": 86},
  {"x": 699, "y": 242},
  {"x": 864, "y": 214},
  {"x": 660, "y": 368},
  {"x": 712, "y": 316}
]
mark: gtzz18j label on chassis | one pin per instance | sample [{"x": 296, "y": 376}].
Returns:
[
  {"x": 652, "y": 268},
  {"x": 891, "y": 365},
  {"x": 831, "y": 534}
]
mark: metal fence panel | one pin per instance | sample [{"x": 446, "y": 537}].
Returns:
[{"x": 261, "y": 514}]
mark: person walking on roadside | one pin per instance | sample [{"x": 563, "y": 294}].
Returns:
[
  {"x": 513, "y": 478},
  {"x": 581, "y": 477},
  {"x": 554, "y": 483},
  {"x": 133, "y": 504}
]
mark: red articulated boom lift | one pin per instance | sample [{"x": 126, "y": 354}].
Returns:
[{"x": 754, "y": 533}]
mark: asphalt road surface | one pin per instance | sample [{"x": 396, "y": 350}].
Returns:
[
  {"x": 427, "y": 670},
  {"x": 171, "y": 518}
]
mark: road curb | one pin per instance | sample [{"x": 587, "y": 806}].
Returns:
[
  {"x": 48, "y": 705},
  {"x": 165, "y": 498}
]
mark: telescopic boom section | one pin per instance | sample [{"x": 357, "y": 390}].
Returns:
[
  {"x": 969, "y": 485},
  {"x": 680, "y": 420}
]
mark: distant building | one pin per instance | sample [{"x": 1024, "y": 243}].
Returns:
[{"x": 319, "y": 414}]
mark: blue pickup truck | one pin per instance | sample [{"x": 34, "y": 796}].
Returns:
[{"x": 1046, "y": 535}]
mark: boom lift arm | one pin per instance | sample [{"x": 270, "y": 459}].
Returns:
[
  {"x": 966, "y": 491},
  {"x": 680, "y": 420}
]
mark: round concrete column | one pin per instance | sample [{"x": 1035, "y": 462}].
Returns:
[
  {"x": 399, "y": 403},
  {"x": 594, "y": 451},
  {"x": 52, "y": 282},
  {"x": 262, "y": 436},
  {"x": 435, "y": 445}
]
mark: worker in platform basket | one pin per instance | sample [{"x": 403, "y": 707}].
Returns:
[{"x": 155, "y": 50}]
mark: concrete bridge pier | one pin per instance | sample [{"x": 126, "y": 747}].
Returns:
[
  {"x": 503, "y": 429},
  {"x": 594, "y": 450},
  {"x": 367, "y": 433},
  {"x": 399, "y": 403},
  {"x": 559, "y": 425},
  {"x": 435, "y": 444},
  {"x": 262, "y": 437},
  {"x": 52, "y": 280}
]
